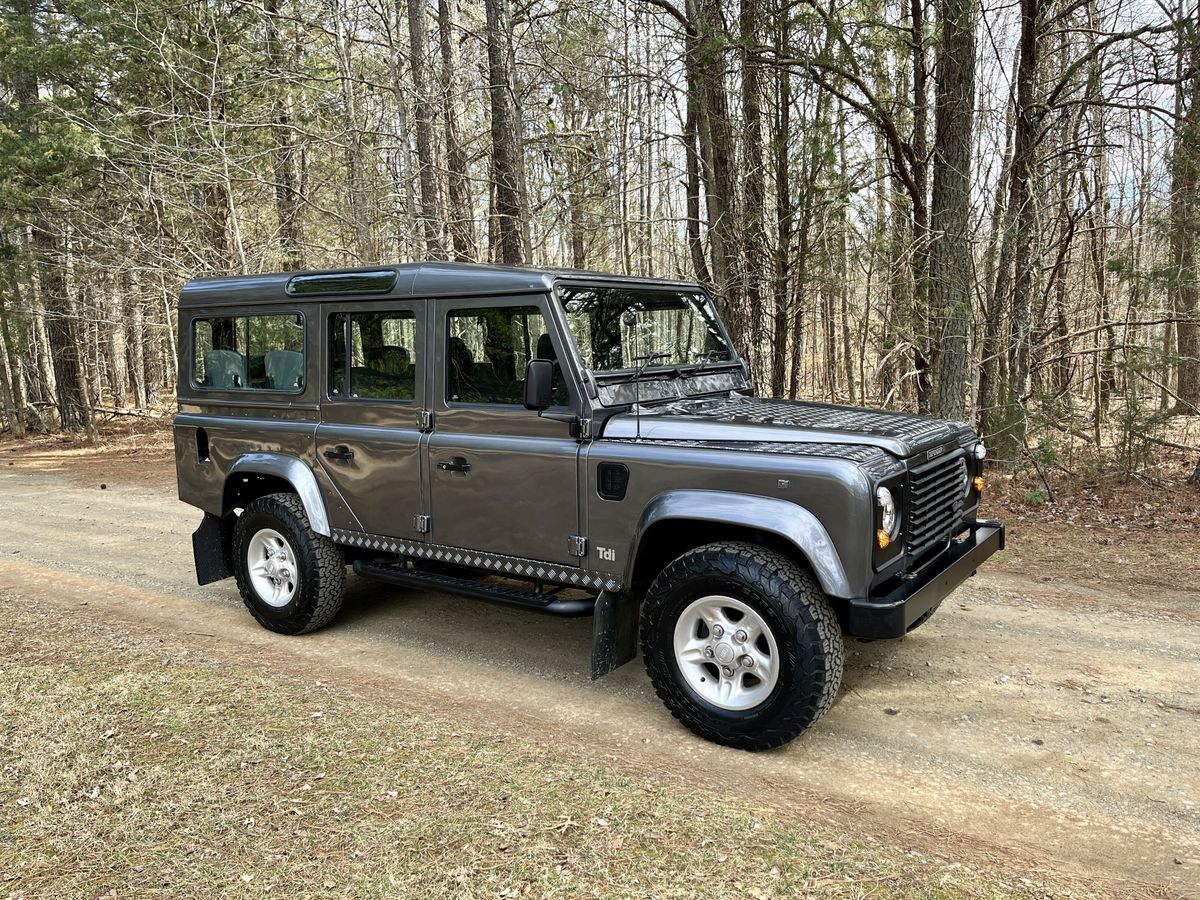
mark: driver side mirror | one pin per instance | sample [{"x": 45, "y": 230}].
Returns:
[{"x": 539, "y": 384}]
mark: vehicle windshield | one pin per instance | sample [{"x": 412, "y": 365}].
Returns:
[{"x": 616, "y": 329}]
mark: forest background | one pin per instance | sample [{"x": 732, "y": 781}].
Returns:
[{"x": 979, "y": 210}]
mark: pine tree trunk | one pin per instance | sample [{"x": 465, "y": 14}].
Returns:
[
  {"x": 14, "y": 419},
  {"x": 706, "y": 63},
  {"x": 9, "y": 359},
  {"x": 842, "y": 268},
  {"x": 137, "y": 329},
  {"x": 461, "y": 220},
  {"x": 431, "y": 194},
  {"x": 783, "y": 218},
  {"x": 170, "y": 341},
  {"x": 364, "y": 238},
  {"x": 510, "y": 219},
  {"x": 950, "y": 273},
  {"x": 691, "y": 140},
  {"x": 66, "y": 344},
  {"x": 1185, "y": 230},
  {"x": 924, "y": 349},
  {"x": 574, "y": 192},
  {"x": 117, "y": 365},
  {"x": 1012, "y": 420},
  {"x": 998, "y": 262},
  {"x": 287, "y": 176},
  {"x": 754, "y": 235},
  {"x": 47, "y": 384}
]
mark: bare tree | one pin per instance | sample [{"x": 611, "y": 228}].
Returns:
[
  {"x": 460, "y": 218},
  {"x": 1185, "y": 217},
  {"x": 950, "y": 272},
  {"x": 431, "y": 194},
  {"x": 510, "y": 221}
]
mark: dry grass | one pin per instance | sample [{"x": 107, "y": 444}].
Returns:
[{"x": 135, "y": 768}]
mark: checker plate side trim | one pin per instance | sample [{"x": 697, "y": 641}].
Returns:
[{"x": 502, "y": 565}]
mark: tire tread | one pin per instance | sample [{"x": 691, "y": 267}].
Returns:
[
  {"x": 324, "y": 577},
  {"x": 795, "y": 595}
]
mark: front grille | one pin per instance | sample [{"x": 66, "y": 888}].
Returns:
[{"x": 935, "y": 503}]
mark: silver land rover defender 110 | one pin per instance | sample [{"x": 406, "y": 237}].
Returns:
[{"x": 576, "y": 444}]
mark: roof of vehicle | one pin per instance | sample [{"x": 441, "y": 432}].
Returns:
[{"x": 424, "y": 279}]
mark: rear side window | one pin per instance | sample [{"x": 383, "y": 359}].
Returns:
[
  {"x": 249, "y": 353},
  {"x": 487, "y": 350},
  {"x": 373, "y": 355}
]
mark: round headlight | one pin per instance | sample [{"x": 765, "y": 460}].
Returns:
[
  {"x": 888, "y": 520},
  {"x": 980, "y": 450}
]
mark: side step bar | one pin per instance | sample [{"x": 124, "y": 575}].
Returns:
[{"x": 399, "y": 573}]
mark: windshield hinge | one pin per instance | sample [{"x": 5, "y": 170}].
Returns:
[
  {"x": 577, "y": 545},
  {"x": 425, "y": 419}
]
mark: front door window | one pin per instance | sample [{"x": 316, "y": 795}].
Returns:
[{"x": 487, "y": 351}]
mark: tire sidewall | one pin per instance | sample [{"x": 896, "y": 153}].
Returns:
[
  {"x": 249, "y": 524},
  {"x": 670, "y": 595}
]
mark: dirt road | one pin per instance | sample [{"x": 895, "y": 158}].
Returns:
[{"x": 1046, "y": 719}]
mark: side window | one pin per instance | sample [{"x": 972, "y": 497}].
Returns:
[
  {"x": 487, "y": 350},
  {"x": 257, "y": 353},
  {"x": 373, "y": 355}
]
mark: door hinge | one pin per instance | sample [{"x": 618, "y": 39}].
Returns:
[
  {"x": 583, "y": 429},
  {"x": 421, "y": 524},
  {"x": 577, "y": 545},
  {"x": 425, "y": 419}
]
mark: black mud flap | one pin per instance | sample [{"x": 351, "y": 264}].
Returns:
[
  {"x": 212, "y": 547},
  {"x": 614, "y": 632}
]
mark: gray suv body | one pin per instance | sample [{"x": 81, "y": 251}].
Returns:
[{"x": 576, "y": 444}]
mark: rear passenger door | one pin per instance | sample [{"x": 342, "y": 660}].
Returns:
[
  {"x": 369, "y": 439},
  {"x": 502, "y": 479}
]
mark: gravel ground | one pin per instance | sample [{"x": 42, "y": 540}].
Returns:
[{"x": 1047, "y": 719}]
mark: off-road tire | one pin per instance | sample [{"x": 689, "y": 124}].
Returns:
[
  {"x": 321, "y": 568},
  {"x": 799, "y": 615}
]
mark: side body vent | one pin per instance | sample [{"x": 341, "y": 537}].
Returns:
[{"x": 613, "y": 480}]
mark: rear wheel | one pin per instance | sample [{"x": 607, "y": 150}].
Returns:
[
  {"x": 741, "y": 645},
  {"x": 290, "y": 578}
]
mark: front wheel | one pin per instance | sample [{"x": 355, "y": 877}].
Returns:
[
  {"x": 290, "y": 578},
  {"x": 741, "y": 645}
]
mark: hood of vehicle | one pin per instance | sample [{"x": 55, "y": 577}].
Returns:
[{"x": 740, "y": 419}]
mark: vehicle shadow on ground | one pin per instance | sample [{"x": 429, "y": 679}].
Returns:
[
  {"x": 546, "y": 646},
  {"x": 482, "y": 632}
]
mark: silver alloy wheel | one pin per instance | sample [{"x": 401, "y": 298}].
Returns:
[
  {"x": 726, "y": 652},
  {"x": 271, "y": 563}
]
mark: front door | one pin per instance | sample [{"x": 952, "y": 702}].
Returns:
[
  {"x": 369, "y": 440},
  {"x": 502, "y": 479}
]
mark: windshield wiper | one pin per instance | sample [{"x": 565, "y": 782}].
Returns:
[
  {"x": 704, "y": 359},
  {"x": 645, "y": 362},
  {"x": 711, "y": 358}
]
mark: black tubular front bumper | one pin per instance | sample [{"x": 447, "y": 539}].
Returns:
[{"x": 892, "y": 615}]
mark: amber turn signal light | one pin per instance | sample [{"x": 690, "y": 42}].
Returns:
[
  {"x": 979, "y": 483},
  {"x": 882, "y": 538}
]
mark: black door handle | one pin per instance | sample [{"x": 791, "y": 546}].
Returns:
[
  {"x": 458, "y": 464},
  {"x": 340, "y": 452}
]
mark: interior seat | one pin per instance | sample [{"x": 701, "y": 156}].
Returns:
[
  {"x": 224, "y": 369},
  {"x": 285, "y": 369},
  {"x": 391, "y": 359}
]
